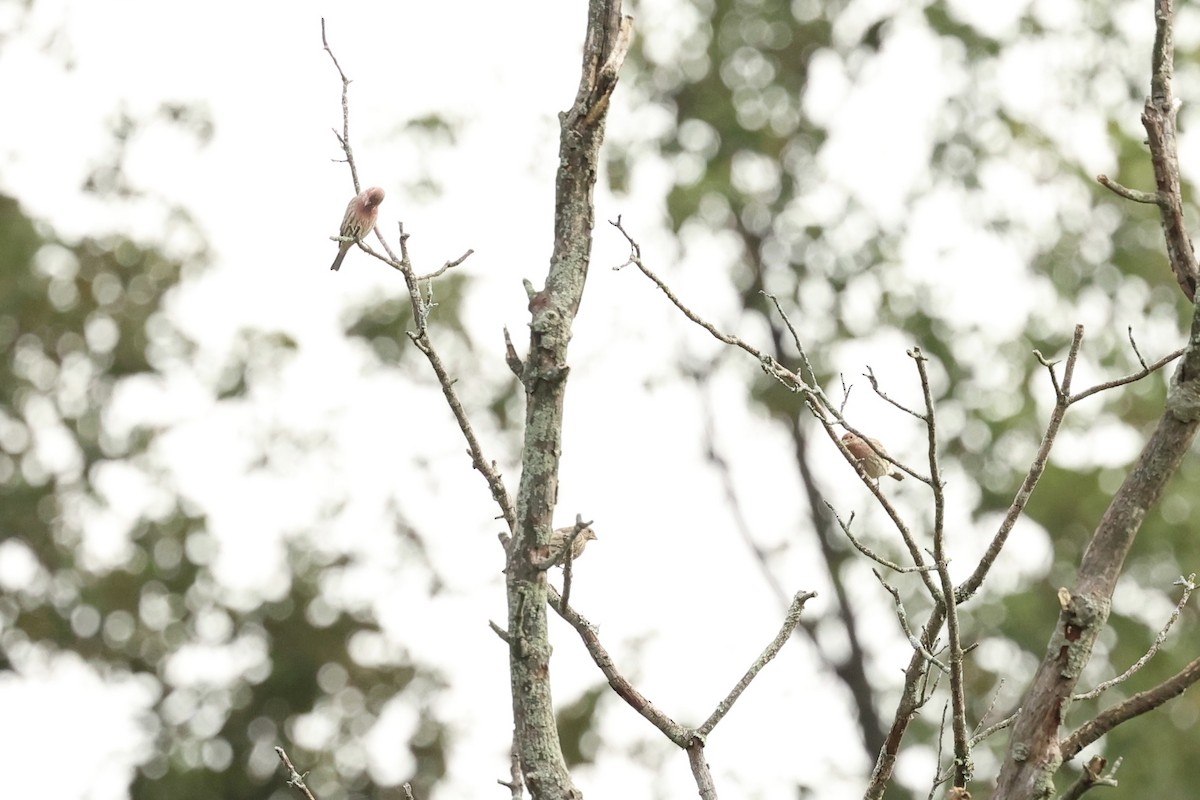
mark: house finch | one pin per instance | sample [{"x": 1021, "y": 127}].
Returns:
[
  {"x": 559, "y": 538},
  {"x": 872, "y": 464},
  {"x": 359, "y": 220}
]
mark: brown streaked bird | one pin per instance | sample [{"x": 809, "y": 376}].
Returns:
[
  {"x": 872, "y": 464},
  {"x": 560, "y": 536},
  {"x": 361, "y": 212}
]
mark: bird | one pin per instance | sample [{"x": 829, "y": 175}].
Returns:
[
  {"x": 559, "y": 538},
  {"x": 359, "y": 220},
  {"x": 873, "y": 464}
]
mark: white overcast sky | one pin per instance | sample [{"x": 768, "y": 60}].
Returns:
[{"x": 677, "y": 597}]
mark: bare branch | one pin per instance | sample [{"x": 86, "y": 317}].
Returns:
[
  {"x": 294, "y": 777},
  {"x": 635, "y": 258},
  {"x": 1136, "y": 376},
  {"x": 515, "y": 364},
  {"x": 868, "y": 552},
  {"x": 1040, "y": 459},
  {"x": 343, "y": 137},
  {"x": 1189, "y": 585},
  {"x": 515, "y": 784},
  {"x": 1085, "y": 610},
  {"x": 678, "y": 734},
  {"x": 449, "y": 265},
  {"x": 1135, "y": 706},
  {"x": 1093, "y": 776},
  {"x": 916, "y": 643},
  {"x": 421, "y": 339},
  {"x": 568, "y": 557},
  {"x": 994, "y": 728},
  {"x": 911, "y": 701},
  {"x": 870, "y": 376},
  {"x": 1135, "y": 195},
  {"x": 785, "y": 631}
]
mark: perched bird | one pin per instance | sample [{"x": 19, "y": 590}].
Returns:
[
  {"x": 872, "y": 464},
  {"x": 559, "y": 538},
  {"x": 361, "y": 212}
]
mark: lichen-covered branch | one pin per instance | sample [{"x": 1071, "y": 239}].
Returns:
[{"x": 544, "y": 376}]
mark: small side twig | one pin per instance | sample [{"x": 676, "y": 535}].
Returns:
[
  {"x": 868, "y": 552},
  {"x": 994, "y": 728},
  {"x": 515, "y": 783},
  {"x": 568, "y": 558},
  {"x": 870, "y": 376},
  {"x": 515, "y": 364},
  {"x": 1137, "y": 196},
  {"x": 1093, "y": 776},
  {"x": 902, "y": 615},
  {"x": 343, "y": 137},
  {"x": 449, "y": 265},
  {"x": 294, "y": 777},
  {"x": 1189, "y": 585},
  {"x": 1131, "y": 378}
]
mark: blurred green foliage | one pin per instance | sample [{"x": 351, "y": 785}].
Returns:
[{"x": 76, "y": 321}]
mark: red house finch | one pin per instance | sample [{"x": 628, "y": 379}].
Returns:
[
  {"x": 559, "y": 538},
  {"x": 872, "y": 464},
  {"x": 359, "y": 220}
]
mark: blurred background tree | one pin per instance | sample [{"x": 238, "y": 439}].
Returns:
[{"x": 87, "y": 349}]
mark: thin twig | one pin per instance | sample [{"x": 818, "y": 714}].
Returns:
[
  {"x": 994, "y": 728},
  {"x": 790, "y": 621},
  {"x": 568, "y": 557},
  {"x": 515, "y": 364},
  {"x": 449, "y": 265},
  {"x": 515, "y": 783},
  {"x": 294, "y": 777},
  {"x": 868, "y": 552},
  {"x": 1135, "y": 195},
  {"x": 870, "y": 376},
  {"x": 1189, "y": 586},
  {"x": 941, "y": 776},
  {"x": 1036, "y": 469},
  {"x": 911, "y": 701},
  {"x": 1136, "y": 376},
  {"x": 958, "y": 718},
  {"x": 343, "y": 137},
  {"x": 901, "y": 615}
]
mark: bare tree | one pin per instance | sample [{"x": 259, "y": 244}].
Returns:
[{"x": 1037, "y": 746}]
